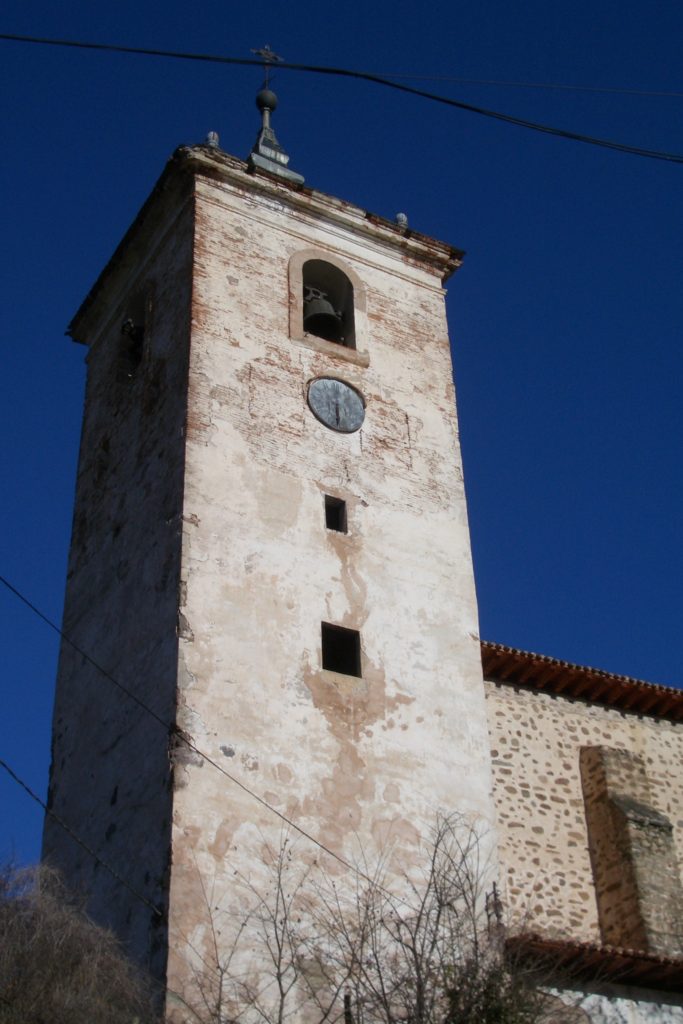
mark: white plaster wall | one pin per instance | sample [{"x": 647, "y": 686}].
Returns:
[
  {"x": 364, "y": 764},
  {"x": 109, "y": 778},
  {"x": 629, "y": 1006}
]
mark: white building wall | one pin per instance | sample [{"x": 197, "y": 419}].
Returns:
[
  {"x": 363, "y": 765},
  {"x": 623, "y": 1006}
]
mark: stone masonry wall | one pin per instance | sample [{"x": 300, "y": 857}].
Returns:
[
  {"x": 632, "y": 853},
  {"x": 537, "y": 740}
]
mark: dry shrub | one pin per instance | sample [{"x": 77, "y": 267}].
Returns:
[{"x": 56, "y": 965}]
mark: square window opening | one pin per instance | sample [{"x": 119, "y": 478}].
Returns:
[
  {"x": 341, "y": 650},
  {"x": 335, "y": 514}
]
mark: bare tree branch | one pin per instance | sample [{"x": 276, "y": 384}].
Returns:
[{"x": 376, "y": 948}]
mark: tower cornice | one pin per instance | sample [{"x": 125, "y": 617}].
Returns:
[{"x": 188, "y": 163}]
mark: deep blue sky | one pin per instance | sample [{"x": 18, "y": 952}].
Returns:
[{"x": 566, "y": 318}]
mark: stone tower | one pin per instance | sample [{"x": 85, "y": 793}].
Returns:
[{"x": 270, "y": 555}]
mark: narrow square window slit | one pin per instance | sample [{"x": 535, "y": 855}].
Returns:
[
  {"x": 341, "y": 649},
  {"x": 335, "y": 514}
]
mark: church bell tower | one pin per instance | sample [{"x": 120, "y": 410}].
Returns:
[{"x": 270, "y": 586}]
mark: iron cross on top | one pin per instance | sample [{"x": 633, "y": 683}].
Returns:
[{"x": 269, "y": 57}]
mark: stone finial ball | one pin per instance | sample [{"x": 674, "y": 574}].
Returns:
[{"x": 266, "y": 100}]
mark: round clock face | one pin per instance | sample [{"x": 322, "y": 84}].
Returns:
[{"x": 336, "y": 404}]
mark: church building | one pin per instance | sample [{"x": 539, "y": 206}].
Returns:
[{"x": 273, "y": 619}]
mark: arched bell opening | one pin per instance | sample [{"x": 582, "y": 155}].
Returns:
[{"x": 328, "y": 303}]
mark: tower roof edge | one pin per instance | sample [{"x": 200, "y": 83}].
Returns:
[{"x": 187, "y": 163}]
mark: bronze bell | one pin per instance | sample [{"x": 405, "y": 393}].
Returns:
[{"x": 320, "y": 316}]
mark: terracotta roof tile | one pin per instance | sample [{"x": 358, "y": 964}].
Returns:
[
  {"x": 503, "y": 664},
  {"x": 600, "y": 963}
]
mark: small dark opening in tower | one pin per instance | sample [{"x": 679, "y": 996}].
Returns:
[
  {"x": 335, "y": 514},
  {"x": 132, "y": 336},
  {"x": 341, "y": 649},
  {"x": 131, "y": 349}
]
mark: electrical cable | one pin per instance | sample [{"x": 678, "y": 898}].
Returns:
[
  {"x": 172, "y": 730},
  {"x": 77, "y": 839},
  {"x": 558, "y": 86},
  {"x": 519, "y": 122}
]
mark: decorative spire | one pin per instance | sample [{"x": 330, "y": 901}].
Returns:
[{"x": 267, "y": 154}]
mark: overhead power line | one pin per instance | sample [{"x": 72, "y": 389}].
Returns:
[
  {"x": 170, "y": 729},
  {"x": 365, "y": 76},
  {"x": 557, "y": 86},
  {"x": 77, "y": 839}
]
